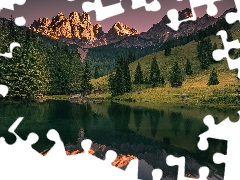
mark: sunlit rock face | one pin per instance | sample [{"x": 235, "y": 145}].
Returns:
[
  {"x": 120, "y": 161},
  {"x": 75, "y": 26},
  {"x": 120, "y": 29}
]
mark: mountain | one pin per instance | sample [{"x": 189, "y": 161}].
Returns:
[
  {"x": 75, "y": 26},
  {"x": 161, "y": 30},
  {"x": 120, "y": 30},
  {"x": 78, "y": 29},
  {"x": 100, "y": 48}
]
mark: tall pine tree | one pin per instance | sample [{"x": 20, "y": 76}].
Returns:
[
  {"x": 120, "y": 82},
  {"x": 96, "y": 73},
  {"x": 155, "y": 76},
  {"x": 167, "y": 51},
  {"x": 204, "y": 50},
  {"x": 213, "y": 80},
  {"x": 188, "y": 68},
  {"x": 176, "y": 77},
  {"x": 86, "y": 86},
  {"x": 138, "y": 75},
  {"x": 126, "y": 76}
]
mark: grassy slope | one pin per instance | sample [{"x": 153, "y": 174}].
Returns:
[{"x": 195, "y": 85}]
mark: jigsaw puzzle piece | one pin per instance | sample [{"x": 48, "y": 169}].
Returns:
[
  {"x": 219, "y": 54},
  {"x": 12, "y": 46},
  {"x": 232, "y": 17},
  {"x": 19, "y": 21},
  {"x": 103, "y": 12},
  {"x": 230, "y": 160},
  {"x": 9, "y": 4},
  {"x": 157, "y": 174},
  {"x": 58, "y": 149},
  {"x": 3, "y": 90},
  {"x": 14, "y": 155},
  {"x": 174, "y": 16},
  {"x": 211, "y": 7},
  {"x": 103, "y": 169},
  {"x": 23, "y": 147},
  {"x": 216, "y": 131},
  {"x": 180, "y": 162},
  {"x": 231, "y": 136},
  {"x": 153, "y": 6},
  {"x": 11, "y": 138}
]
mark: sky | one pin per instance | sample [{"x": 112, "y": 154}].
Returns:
[{"x": 139, "y": 19}]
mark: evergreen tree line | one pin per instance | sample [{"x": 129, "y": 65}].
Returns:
[
  {"x": 103, "y": 56},
  {"x": 175, "y": 79},
  {"x": 205, "y": 49},
  {"x": 120, "y": 82},
  {"x": 38, "y": 67},
  {"x": 131, "y": 57},
  {"x": 156, "y": 79}
]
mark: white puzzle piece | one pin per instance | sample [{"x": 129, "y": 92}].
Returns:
[
  {"x": 229, "y": 131},
  {"x": 101, "y": 11},
  {"x": 219, "y": 54},
  {"x": 180, "y": 162},
  {"x": 57, "y": 165}
]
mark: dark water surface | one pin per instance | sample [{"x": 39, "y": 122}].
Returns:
[{"x": 149, "y": 134}]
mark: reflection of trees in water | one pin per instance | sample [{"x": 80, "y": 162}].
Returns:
[
  {"x": 138, "y": 117},
  {"x": 175, "y": 120},
  {"x": 188, "y": 126},
  {"x": 154, "y": 117},
  {"x": 120, "y": 115},
  {"x": 86, "y": 113}
]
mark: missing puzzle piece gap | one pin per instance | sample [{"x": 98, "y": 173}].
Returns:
[
  {"x": 232, "y": 17},
  {"x": 9, "y": 4},
  {"x": 174, "y": 16},
  {"x": 102, "y": 12},
  {"x": 3, "y": 90},
  {"x": 12, "y": 46}
]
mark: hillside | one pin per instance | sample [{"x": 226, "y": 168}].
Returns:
[
  {"x": 94, "y": 45},
  {"x": 196, "y": 85}
]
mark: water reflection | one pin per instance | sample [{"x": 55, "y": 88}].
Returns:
[
  {"x": 138, "y": 117},
  {"x": 149, "y": 134}
]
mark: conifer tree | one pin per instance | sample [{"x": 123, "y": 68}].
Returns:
[
  {"x": 176, "y": 77},
  {"x": 188, "y": 68},
  {"x": 167, "y": 51},
  {"x": 75, "y": 77},
  {"x": 113, "y": 85},
  {"x": 213, "y": 80},
  {"x": 204, "y": 50},
  {"x": 126, "y": 76},
  {"x": 12, "y": 35},
  {"x": 86, "y": 86},
  {"x": 155, "y": 77},
  {"x": 120, "y": 82},
  {"x": 138, "y": 75},
  {"x": 146, "y": 81},
  {"x": 96, "y": 73},
  {"x": 130, "y": 57}
]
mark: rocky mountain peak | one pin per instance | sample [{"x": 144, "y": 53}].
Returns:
[
  {"x": 120, "y": 29},
  {"x": 74, "y": 18},
  {"x": 74, "y": 26},
  {"x": 161, "y": 31}
]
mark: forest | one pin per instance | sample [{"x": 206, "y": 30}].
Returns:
[{"x": 40, "y": 66}]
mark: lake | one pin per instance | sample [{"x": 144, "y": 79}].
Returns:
[{"x": 149, "y": 134}]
